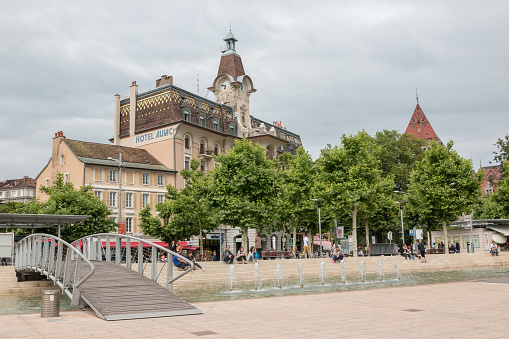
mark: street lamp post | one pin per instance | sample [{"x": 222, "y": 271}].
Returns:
[
  {"x": 319, "y": 205},
  {"x": 401, "y": 212},
  {"x": 120, "y": 166}
]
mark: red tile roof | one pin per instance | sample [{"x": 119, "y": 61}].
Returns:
[
  {"x": 420, "y": 127},
  {"x": 231, "y": 64},
  {"x": 18, "y": 183}
]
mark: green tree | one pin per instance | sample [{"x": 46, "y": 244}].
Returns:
[
  {"x": 488, "y": 208},
  {"x": 349, "y": 176},
  {"x": 64, "y": 198},
  {"x": 296, "y": 175},
  {"x": 503, "y": 150},
  {"x": 183, "y": 213},
  {"x": 501, "y": 195},
  {"x": 243, "y": 187},
  {"x": 398, "y": 155},
  {"x": 443, "y": 186}
]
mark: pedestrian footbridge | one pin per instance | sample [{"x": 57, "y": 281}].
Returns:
[{"x": 107, "y": 272}]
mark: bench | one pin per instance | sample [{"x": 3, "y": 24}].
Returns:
[{"x": 274, "y": 254}]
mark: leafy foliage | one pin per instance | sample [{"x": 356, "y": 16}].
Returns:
[
  {"x": 243, "y": 187},
  {"x": 442, "y": 187},
  {"x": 63, "y": 199},
  {"x": 184, "y": 213},
  {"x": 503, "y": 150}
]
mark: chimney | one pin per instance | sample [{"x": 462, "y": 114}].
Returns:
[
  {"x": 133, "y": 93},
  {"x": 165, "y": 80}
]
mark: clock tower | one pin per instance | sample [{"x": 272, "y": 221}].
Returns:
[{"x": 232, "y": 86}]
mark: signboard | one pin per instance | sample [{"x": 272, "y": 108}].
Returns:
[
  {"x": 121, "y": 228},
  {"x": 6, "y": 245},
  {"x": 418, "y": 234},
  {"x": 411, "y": 232},
  {"x": 389, "y": 235},
  {"x": 350, "y": 242},
  {"x": 341, "y": 232}
]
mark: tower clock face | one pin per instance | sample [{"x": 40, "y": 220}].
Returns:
[{"x": 225, "y": 85}]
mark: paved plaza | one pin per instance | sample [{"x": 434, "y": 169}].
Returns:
[{"x": 452, "y": 310}]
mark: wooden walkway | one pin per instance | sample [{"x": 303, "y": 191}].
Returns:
[{"x": 116, "y": 293}]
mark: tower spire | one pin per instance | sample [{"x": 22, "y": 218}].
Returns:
[{"x": 416, "y": 95}]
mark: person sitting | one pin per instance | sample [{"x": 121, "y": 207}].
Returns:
[
  {"x": 494, "y": 248},
  {"x": 241, "y": 256},
  {"x": 407, "y": 254},
  {"x": 181, "y": 264},
  {"x": 228, "y": 255},
  {"x": 253, "y": 255},
  {"x": 191, "y": 257},
  {"x": 337, "y": 255},
  {"x": 452, "y": 248}
]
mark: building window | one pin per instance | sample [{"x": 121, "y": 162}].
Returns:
[
  {"x": 215, "y": 126},
  {"x": 187, "y": 142},
  {"x": 202, "y": 146},
  {"x": 46, "y": 182},
  {"x": 1, "y": 194},
  {"x": 160, "y": 198},
  {"x": 129, "y": 178},
  {"x": 66, "y": 177},
  {"x": 62, "y": 159},
  {"x": 202, "y": 121},
  {"x": 160, "y": 180},
  {"x": 145, "y": 200},
  {"x": 98, "y": 194},
  {"x": 216, "y": 149},
  {"x": 113, "y": 198},
  {"x": 19, "y": 193},
  {"x": 129, "y": 225},
  {"x": 202, "y": 166},
  {"x": 34, "y": 192},
  {"x": 7, "y": 194},
  {"x": 113, "y": 176},
  {"x": 146, "y": 180},
  {"x": 232, "y": 130},
  {"x": 186, "y": 163},
  {"x": 187, "y": 116},
  {"x": 129, "y": 200}
]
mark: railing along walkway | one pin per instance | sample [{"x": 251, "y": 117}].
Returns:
[{"x": 116, "y": 291}]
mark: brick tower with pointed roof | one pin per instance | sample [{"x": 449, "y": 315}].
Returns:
[{"x": 420, "y": 127}]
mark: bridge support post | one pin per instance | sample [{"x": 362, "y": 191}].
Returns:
[
  {"x": 77, "y": 276},
  {"x": 118, "y": 248},
  {"x": 140, "y": 257},
  {"x": 58, "y": 268},
  {"x": 128, "y": 253},
  {"x": 169, "y": 273},
  {"x": 67, "y": 269},
  {"x": 154, "y": 264},
  {"x": 108, "y": 249}
]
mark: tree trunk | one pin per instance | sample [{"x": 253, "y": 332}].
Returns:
[
  {"x": 294, "y": 245},
  {"x": 354, "y": 230},
  {"x": 283, "y": 238},
  {"x": 366, "y": 226},
  {"x": 245, "y": 239},
  {"x": 201, "y": 241},
  {"x": 446, "y": 240}
]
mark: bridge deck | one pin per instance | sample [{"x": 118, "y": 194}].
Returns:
[{"x": 115, "y": 293}]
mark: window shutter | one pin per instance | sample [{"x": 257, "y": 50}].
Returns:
[
  {"x": 153, "y": 200},
  {"x": 141, "y": 178},
  {"x": 106, "y": 195}
]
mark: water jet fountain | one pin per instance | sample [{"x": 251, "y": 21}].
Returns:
[
  {"x": 233, "y": 278},
  {"x": 277, "y": 273},
  {"x": 321, "y": 275},
  {"x": 397, "y": 273},
  {"x": 380, "y": 270},
  {"x": 301, "y": 277},
  {"x": 258, "y": 279},
  {"x": 363, "y": 271},
  {"x": 343, "y": 274}
]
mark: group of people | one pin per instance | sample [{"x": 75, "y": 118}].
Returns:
[
  {"x": 409, "y": 254},
  {"x": 241, "y": 256},
  {"x": 454, "y": 248},
  {"x": 182, "y": 264}
]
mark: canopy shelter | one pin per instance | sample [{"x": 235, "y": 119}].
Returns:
[{"x": 32, "y": 221}]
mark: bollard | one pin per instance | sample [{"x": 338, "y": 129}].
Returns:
[{"x": 50, "y": 305}]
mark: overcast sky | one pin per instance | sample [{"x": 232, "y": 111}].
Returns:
[{"x": 324, "y": 68}]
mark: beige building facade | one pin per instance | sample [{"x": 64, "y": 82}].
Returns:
[{"x": 144, "y": 178}]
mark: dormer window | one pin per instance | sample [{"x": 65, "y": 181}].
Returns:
[
  {"x": 215, "y": 125},
  {"x": 187, "y": 116},
  {"x": 202, "y": 121}
]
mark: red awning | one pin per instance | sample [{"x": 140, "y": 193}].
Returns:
[
  {"x": 134, "y": 244},
  {"x": 325, "y": 244}
]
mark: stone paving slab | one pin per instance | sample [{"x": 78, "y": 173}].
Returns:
[{"x": 451, "y": 310}]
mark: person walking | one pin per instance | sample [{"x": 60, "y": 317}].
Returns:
[
  {"x": 457, "y": 247},
  {"x": 306, "y": 247},
  {"x": 258, "y": 245},
  {"x": 422, "y": 250}
]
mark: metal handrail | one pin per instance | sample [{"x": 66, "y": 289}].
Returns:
[
  {"x": 33, "y": 254},
  {"x": 88, "y": 245}
]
